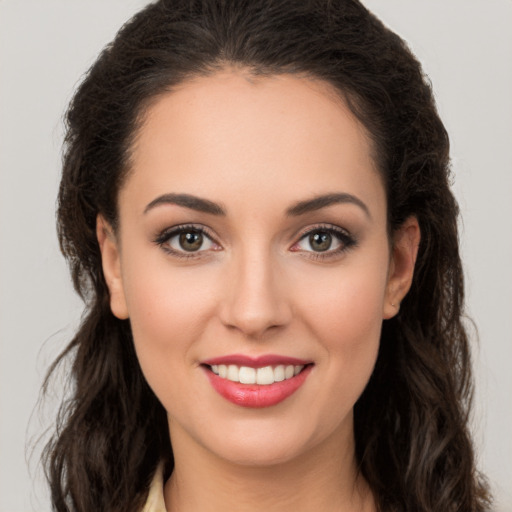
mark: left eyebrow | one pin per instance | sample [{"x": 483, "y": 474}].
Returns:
[
  {"x": 319, "y": 202},
  {"x": 187, "y": 201}
]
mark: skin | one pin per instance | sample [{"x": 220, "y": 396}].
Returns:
[{"x": 256, "y": 147}]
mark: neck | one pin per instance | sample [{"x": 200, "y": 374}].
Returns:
[{"x": 325, "y": 478}]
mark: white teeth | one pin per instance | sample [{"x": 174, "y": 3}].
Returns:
[
  {"x": 233, "y": 373},
  {"x": 261, "y": 376},
  {"x": 265, "y": 375},
  {"x": 279, "y": 373},
  {"x": 247, "y": 375}
]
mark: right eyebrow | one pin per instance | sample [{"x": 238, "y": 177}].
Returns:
[
  {"x": 322, "y": 201},
  {"x": 187, "y": 201}
]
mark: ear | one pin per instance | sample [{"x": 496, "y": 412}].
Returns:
[
  {"x": 111, "y": 262},
  {"x": 406, "y": 241}
]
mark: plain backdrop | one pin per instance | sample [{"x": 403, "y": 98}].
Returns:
[{"x": 46, "y": 46}]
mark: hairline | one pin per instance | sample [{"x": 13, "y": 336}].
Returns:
[{"x": 250, "y": 72}]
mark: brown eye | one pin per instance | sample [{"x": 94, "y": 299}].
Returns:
[
  {"x": 324, "y": 242},
  {"x": 320, "y": 241},
  {"x": 191, "y": 241},
  {"x": 184, "y": 240}
]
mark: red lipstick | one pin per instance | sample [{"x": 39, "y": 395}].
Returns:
[
  {"x": 256, "y": 362},
  {"x": 257, "y": 395}
]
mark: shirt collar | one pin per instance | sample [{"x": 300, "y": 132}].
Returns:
[{"x": 155, "y": 501}]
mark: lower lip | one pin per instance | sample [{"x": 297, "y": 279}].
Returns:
[{"x": 254, "y": 395}]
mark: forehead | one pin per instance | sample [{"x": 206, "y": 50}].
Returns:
[{"x": 228, "y": 134}]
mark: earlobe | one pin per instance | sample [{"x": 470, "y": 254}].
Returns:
[
  {"x": 111, "y": 263},
  {"x": 406, "y": 241}
]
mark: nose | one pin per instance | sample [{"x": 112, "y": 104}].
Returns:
[{"x": 256, "y": 299}]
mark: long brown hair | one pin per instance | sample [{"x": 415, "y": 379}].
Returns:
[{"x": 411, "y": 423}]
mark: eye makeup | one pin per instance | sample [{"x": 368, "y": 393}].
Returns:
[
  {"x": 320, "y": 242},
  {"x": 187, "y": 241},
  {"x": 324, "y": 242}
]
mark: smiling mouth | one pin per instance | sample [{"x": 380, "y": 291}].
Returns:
[
  {"x": 256, "y": 382},
  {"x": 264, "y": 376}
]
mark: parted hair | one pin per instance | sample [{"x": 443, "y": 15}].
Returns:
[{"x": 411, "y": 423}]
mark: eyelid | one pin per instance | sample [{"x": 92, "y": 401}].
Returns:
[
  {"x": 322, "y": 226},
  {"x": 167, "y": 234},
  {"x": 346, "y": 239}
]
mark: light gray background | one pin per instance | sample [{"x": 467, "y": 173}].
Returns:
[{"x": 46, "y": 45}]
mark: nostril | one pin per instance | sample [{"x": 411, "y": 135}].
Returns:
[{"x": 255, "y": 302}]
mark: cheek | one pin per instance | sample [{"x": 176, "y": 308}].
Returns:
[
  {"x": 162, "y": 296},
  {"x": 346, "y": 303},
  {"x": 168, "y": 308},
  {"x": 343, "y": 312},
  {"x": 348, "y": 326}
]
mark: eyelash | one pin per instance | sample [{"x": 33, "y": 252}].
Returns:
[
  {"x": 346, "y": 240},
  {"x": 165, "y": 236}
]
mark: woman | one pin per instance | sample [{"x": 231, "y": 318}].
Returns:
[{"x": 255, "y": 208}]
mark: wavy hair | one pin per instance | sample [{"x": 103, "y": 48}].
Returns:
[{"x": 411, "y": 423}]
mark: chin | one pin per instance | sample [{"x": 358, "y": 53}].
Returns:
[
  {"x": 261, "y": 452},
  {"x": 270, "y": 441}
]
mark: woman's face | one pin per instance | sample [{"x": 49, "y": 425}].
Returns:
[{"x": 252, "y": 244}]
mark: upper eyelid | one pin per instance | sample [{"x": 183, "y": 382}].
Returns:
[
  {"x": 180, "y": 228},
  {"x": 167, "y": 233},
  {"x": 323, "y": 226},
  {"x": 163, "y": 236},
  {"x": 346, "y": 239}
]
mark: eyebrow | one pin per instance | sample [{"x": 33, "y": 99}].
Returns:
[
  {"x": 318, "y": 202},
  {"x": 187, "y": 201},
  {"x": 299, "y": 208}
]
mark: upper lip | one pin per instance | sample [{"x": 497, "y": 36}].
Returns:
[{"x": 255, "y": 362}]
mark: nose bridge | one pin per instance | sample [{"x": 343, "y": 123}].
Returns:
[{"x": 257, "y": 300}]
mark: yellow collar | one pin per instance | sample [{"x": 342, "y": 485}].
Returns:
[{"x": 155, "y": 501}]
